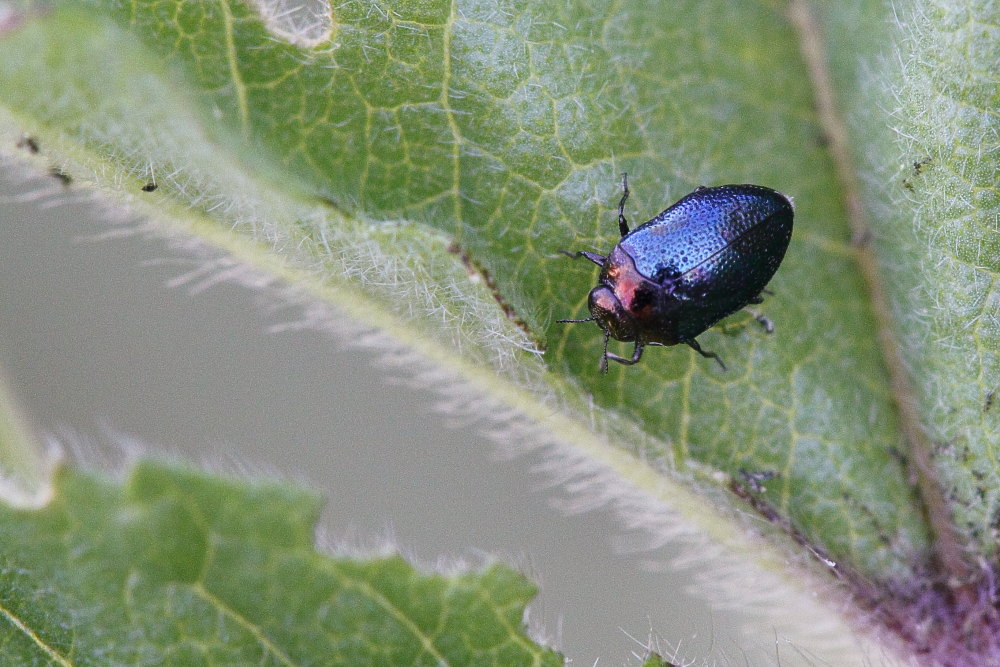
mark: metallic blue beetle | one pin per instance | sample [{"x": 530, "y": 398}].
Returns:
[{"x": 707, "y": 256}]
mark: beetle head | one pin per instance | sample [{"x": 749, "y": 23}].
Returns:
[{"x": 611, "y": 315}]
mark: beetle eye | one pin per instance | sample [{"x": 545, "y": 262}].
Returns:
[{"x": 610, "y": 315}]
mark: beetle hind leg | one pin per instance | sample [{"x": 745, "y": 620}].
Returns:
[{"x": 708, "y": 355}]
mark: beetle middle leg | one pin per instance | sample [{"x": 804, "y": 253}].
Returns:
[
  {"x": 760, "y": 297},
  {"x": 764, "y": 321},
  {"x": 697, "y": 348}
]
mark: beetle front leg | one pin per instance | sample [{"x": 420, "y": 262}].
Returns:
[
  {"x": 636, "y": 355},
  {"x": 697, "y": 348}
]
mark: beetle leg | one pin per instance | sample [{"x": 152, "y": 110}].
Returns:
[
  {"x": 697, "y": 348},
  {"x": 636, "y": 354},
  {"x": 760, "y": 297},
  {"x": 762, "y": 320},
  {"x": 622, "y": 222},
  {"x": 592, "y": 256}
]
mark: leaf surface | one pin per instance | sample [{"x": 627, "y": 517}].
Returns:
[
  {"x": 386, "y": 152},
  {"x": 181, "y": 568}
]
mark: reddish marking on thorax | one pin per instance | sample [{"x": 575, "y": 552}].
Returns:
[{"x": 625, "y": 280}]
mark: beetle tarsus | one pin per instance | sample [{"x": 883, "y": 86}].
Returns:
[
  {"x": 622, "y": 222},
  {"x": 708, "y": 355}
]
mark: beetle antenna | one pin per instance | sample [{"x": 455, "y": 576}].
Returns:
[
  {"x": 589, "y": 319},
  {"x": 604, "y": 357},
  {"x": 622, "y": 222},
  {"x": 592, "y": 256}
]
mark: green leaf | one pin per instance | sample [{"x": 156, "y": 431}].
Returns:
[
  {"x": 377, "y": 156},
  {"x": 181, "y": 568},
  {"x": 928, "y": 167}
]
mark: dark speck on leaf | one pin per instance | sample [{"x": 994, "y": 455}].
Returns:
[
  {"x": 757, "y": 479},
  {"x": 918, "y": 165},
  {"x": 29, "y": 144},
  {"x": 60, "y": 175}
]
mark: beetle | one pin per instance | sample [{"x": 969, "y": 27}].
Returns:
[{"x": 705, "y": 257}]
